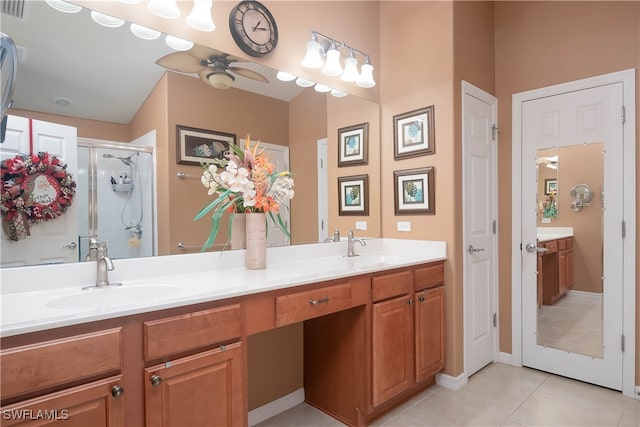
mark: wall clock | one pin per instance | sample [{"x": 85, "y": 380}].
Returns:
[{"x": 253, "y": 28}]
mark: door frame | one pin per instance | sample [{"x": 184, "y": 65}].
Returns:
[
  {"x": 627, "y": 78},
  {"x": 469, "y": 89},
  {"x": 323, "y": 191}
]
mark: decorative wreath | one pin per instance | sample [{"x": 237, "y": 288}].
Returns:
[{"x": 36, "y": 188}]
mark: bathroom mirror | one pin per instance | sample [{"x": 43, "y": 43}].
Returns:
[
  {"x": 547, "y": 165},
  {"x": 39, "y": 95}
]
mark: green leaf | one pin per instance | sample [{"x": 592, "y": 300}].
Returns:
[{"x": 222, "y": 197}]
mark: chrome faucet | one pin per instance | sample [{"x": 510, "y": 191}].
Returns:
[
  {"x": 335, "y": 238},
  {"x": 351, "y": 251}
]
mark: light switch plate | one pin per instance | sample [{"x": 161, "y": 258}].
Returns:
[
  {"x": 404, "y": 226},
  {"x": 361, "y": 225}
]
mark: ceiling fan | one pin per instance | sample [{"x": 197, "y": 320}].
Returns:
[{"x": 213, "y": 67}]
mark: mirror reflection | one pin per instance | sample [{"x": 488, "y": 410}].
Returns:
[
  {"x": 570, "y": 263},
  {"x": 67, "y": 69}
]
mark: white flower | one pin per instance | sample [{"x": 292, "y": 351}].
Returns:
[{"x": 282, "y": 189}]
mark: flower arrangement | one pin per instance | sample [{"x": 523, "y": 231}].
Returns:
[
  {"x": 248, "y": 184},
  {"x": 549, "y": 206}
]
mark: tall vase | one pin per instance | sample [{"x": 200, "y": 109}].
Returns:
[
  {"x": 256, "y": 253},
  {"x": 238, "y": 231}
]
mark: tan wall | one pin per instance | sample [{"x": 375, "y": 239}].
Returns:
[
  {"x": 579, "y": 165},
  {"x": 539, "y": 44},
  {"x": 307, "y": 124}
]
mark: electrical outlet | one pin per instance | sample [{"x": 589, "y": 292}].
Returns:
[
  {"x": 404, "y": 226},
  {"x": 361, "y": 225}
]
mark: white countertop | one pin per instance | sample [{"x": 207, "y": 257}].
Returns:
[
  {"x": 545, "y": 234},
  {"x": 46, "y": 297}
]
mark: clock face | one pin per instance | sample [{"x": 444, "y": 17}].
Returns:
[{"x": 253, "y": 28}]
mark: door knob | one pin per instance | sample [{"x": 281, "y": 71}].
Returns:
[
  {"x": 71, "y": 245},
  {"x": 471, "y": 250},
  {"x": 532, "y": 248}
]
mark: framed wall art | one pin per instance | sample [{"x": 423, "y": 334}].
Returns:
[
  {"x": 353, "y": 193},
  {"x": 354, "y": 143},
  {"x": 414, "y": 191},
  {"x": 550, "y": 186},
  {"x": 414, "y": 133},
  {"x": 195, "y": 146}
]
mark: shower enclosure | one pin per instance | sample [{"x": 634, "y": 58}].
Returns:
[{"x": 115, "y": 198}]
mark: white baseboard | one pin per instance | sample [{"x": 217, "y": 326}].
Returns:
[
  {"x": 276, "y": 407},
  {"x": 593, "y": 295},
  {"x": 506, "y": 358},
  {"x": 451, "y": 383}
]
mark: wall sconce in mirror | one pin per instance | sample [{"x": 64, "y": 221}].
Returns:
[{"x": 581, "y": 195}]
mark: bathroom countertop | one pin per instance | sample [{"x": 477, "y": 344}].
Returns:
[
  {"x": 546, "y": 234},
  {"x": 46, "y": 297}
]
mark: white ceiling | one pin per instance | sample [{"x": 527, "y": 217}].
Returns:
[{"x": 107, "y": 73}]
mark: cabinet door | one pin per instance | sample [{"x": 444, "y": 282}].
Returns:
[
  {"x": 392, "y": 345},
  {"x": 570, "y": 272},
  {"x": 562, "y": 272},
  {"x": 206, "y": 389},
  {"x": 95, "y": 404},
  {"x": 429, "y": 331}
]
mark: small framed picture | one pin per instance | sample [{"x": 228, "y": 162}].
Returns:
[
  {"x": 550, "y": 186},
  {"x": 414, "y": 133},
  {"x": 354, "y": 142},
  {"x": 414, "y": 191},
  {"x": 353, "y": 192},
  {"x": 195, "y": 146}
]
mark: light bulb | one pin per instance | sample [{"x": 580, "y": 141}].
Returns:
[
  {"x": 144, "y": 32},
  {"x": 366, "y": 75},
  {"x": 177, "y": 43},
  {"x": 351, "y": 73},
  {"x": 284, "y": 76},
  {"x": 63, "y": 6},
  {"x": 164, "y": 8},
  {"x": 338, "y": 93},
  {"x": 319, "y": 87},
  {"x": 332, "y": 67},
  {"x": 304, "y": 83},
  {"x": 201, "y": 17},
  {"x": 106, "y": 20},
  {"x": 313, "y": 57}
]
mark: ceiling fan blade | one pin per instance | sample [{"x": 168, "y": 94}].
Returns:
[
  {"x": 249, "y": 74},
  {"x": 182, "y": 62}
]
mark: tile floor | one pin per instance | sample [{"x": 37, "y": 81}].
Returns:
[
  {"x": 498, "y": 395},
  {"x": 573, "y": 323}
]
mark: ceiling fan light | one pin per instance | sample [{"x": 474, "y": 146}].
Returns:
[
  {"x": 366, "y": 76},
  {"x": 106, "y": 20},
  {"x": 304, "y": 83},
  {"x": 319, "y": 87},
  {"x": 144, "y": 33},
  {"x": 177, "y": 43},
  {"x": 351, "y": 73},
  {"x": 313, "y": 57},
  {"x": 164, "y": 8},
  {"x": 333, "y": 66},
  {"x": 283, "y": 76},
  {"x": 338, "y": 93},
  {"x": 63, "y": 6},
  {"x": 221, "y": 80},
  {"x": 201, "y": 17}
]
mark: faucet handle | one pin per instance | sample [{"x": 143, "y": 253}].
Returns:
[{"x": 102, "y": 249}]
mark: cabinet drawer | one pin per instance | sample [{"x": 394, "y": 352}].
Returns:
[
  {"x": 190, "y": 331},
  {"x": 305, "y": 305},
  {"x": 429, "y": 276},
  {"x": 391, "y": 285},
  {"x": 52, "y": 363},
  {"x": 551, "y": 246}
]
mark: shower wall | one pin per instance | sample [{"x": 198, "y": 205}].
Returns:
[{"x": 116, "y": 201}]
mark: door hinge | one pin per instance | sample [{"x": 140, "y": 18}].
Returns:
[
  {"x": 322, "y": 224},
  {"x": 495, "y": 320},
  {"x": 495, "y": 130},
  {"x": 622, "y": 343},
  {"x": 321, "y": 163},
  {"x": 494, "y": 226},
  {"x": 624, "y": 115},
  {"x": 624, "y": 229}
]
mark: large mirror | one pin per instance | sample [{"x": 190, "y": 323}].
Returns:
[
  {"x": 570, "y": 264},
  {"x": 65, "y": 60}
]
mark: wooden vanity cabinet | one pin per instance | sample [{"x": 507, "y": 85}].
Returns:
[
  {"x": 73, "y": 380},
  {"x": 555, "y": 270}
]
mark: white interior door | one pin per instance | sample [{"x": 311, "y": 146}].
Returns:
[
  {"x": 479, "y": 199},
  {"x": 57, "y": 239},
  {"x": 576, "y": 120}
]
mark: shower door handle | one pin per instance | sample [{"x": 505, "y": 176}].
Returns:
[{"x": 71, "y": 245}]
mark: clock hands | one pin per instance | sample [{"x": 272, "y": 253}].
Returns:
[{"x": 257, "y": 27}]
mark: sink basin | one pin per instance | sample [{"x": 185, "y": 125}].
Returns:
[
  {"x": 363, "y": 262},
  {"x": 114, "y": 296}
]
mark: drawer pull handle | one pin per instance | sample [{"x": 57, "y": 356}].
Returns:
[
  {"x": 117, "y": 391},
  {"x": 156, "y": 380},
  {"x": 318, "y": 301}
]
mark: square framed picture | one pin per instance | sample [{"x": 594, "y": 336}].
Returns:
[
  {"x": 353, "y": 193},
  {"x": 195, "y": 146},
  {"x": 414, "y": 133},
  {"x": 550, "y": 186},
  {"x": 414, "y": 191},
  {"x": 353, "y": 145}
]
